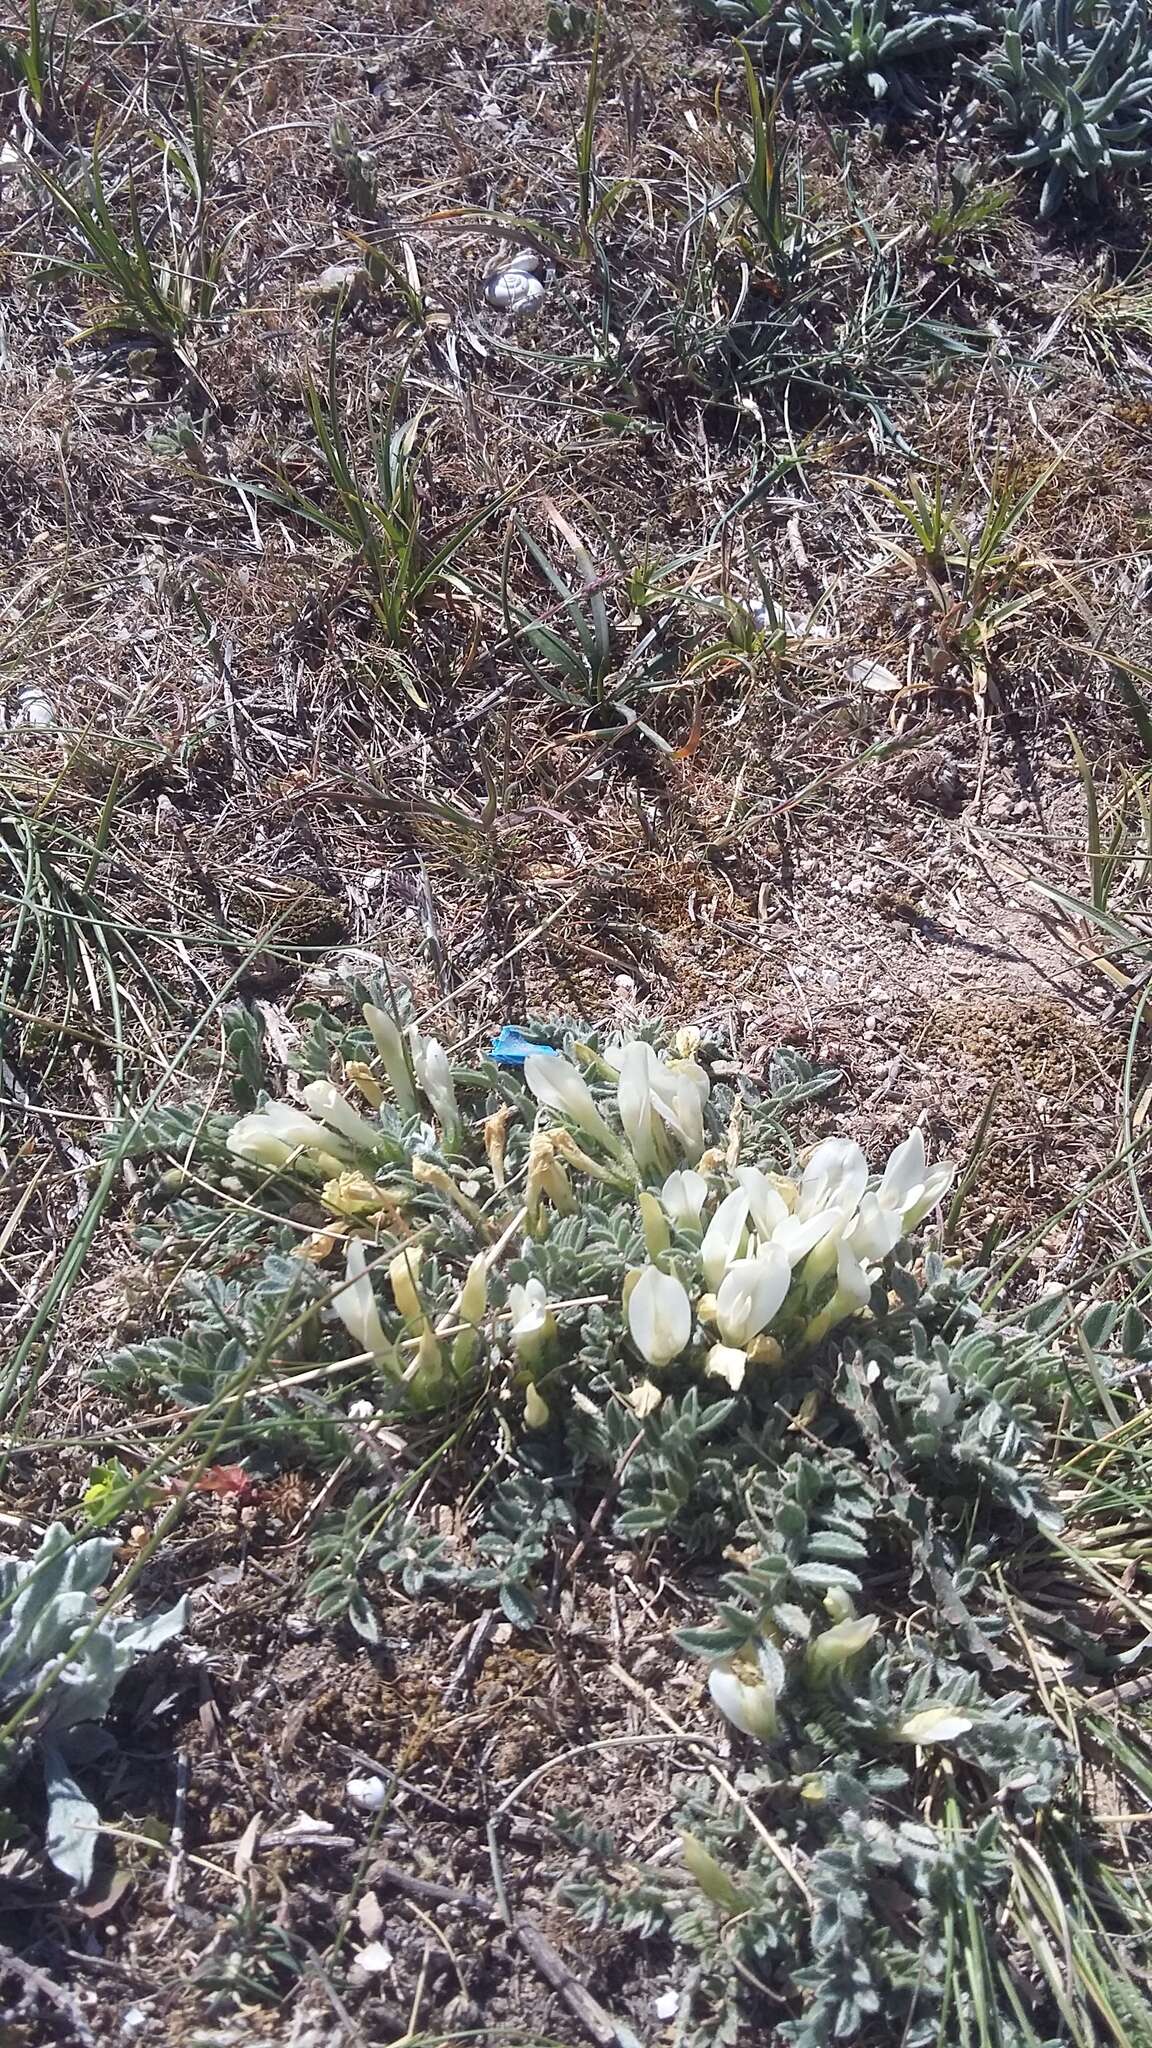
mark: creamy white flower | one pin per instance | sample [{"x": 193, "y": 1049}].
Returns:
[
  {"x": 750, "y": 1294},
  {"x": 907, "y": 1186},
  {"x": 659, "y": 1316},
  {"x": 355, "y": 1304},
  {"x": 796, "y": 1237},
  {"x": 724, "y": 1237},
  {"x": 533, "y": 1324},
  {"x": 681, "y": 1089},
  {"x": 326, "y": 1102},
  {"x": 558, "y": 1086},
  {"x": 875, "y": 1231},
  {"x": 834, "y": 1647},
  {"x": 766, "y": 1205},
  {"x": 274, "y": 1135},
  {"x": 747, "y": 1687},
  {"x": 684, "y": 1195},
  {"x": 434, "y": 1075},
  {"x": 367, "y": 1795},
  {"x": 644, "y": 1127},
  {"x": 853, "y": 1289},
  {"x": 834, "y": 1178},
  {"x": 933, "y": 1724},
  {"x": 389, "y": 1042},
  {"x": 727, "y": 1362}
]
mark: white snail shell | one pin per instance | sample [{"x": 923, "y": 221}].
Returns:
[{"x": 515, "y": 285}]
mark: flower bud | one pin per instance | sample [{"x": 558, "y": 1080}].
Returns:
[
  {"x": 389, "y": 1042},
  {"x": 655, "y": 1224},
  {"x": 537, "y": 1413},
  {"x": 404, "y": 1277},
  {"x": 711, "y": 1876},
  {"x": 473, "y": 1303}
]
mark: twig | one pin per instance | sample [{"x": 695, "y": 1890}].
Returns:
[
  {"x": 475, "y": 1651},
  {"x": 174, "y": 1881},
  {"x": 598, "y": 2024},
  {"x": 423, "y": 1888},
  {"x": 35, "y": 1980}
]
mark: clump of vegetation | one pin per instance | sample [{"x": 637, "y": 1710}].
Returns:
[
  {"x": 1073, "y": 92},
  {"x": 880, "y": 47},
  {"x": 610, "y": 1281},
  {"x": 62, "y": 1656}
]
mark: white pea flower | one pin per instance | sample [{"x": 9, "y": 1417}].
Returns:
[
  {"x": 640, "y": 1114},
  {"x": 355, "y": 1304},
  {"x": 727, "y": 1362},
  {"x": 933, "y": 1724},
  {"x": 834, "y": 1178},
  {"x": 659, "y": 1316},
  {"x": 326, "y": 1102},
  {"x": 533, "y": 1324},
  {"x": 908, "y": 1187},
  {"x": 797, "y": 1236},
  {"x": 275, "y": 1135},
  {"x": 750, "y": 1294},
  {"x": 834, "y": 1647},
  {"x": 724, "y": 1237},
  {"x": 434, "y": 1076},
  {"x": 560, "y": 1087},
  {"x": 766, "y": 1205},
  {"x": 853, "y": 1289},
  {"x": 681, "y": 1089},
  {"x": 746, "y": 1688},
  {"x": 875, "y": 1231},
  {"x": 684, "y": 1195},
  {"x": 389, "y": 1043}
]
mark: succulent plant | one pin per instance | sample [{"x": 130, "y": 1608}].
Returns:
[
  {"x": 61, "y": 1660},
  {"x": 1073, "y": 89},
  {"x": 877, "y": 44}
]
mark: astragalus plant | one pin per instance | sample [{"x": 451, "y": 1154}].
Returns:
[{"x": 604, "y": 1301}]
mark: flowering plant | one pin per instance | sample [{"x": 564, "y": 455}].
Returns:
[{"x": 616, "y": 1291}]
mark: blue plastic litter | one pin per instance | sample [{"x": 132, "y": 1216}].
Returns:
[{"x": 510, "y": 1048}]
